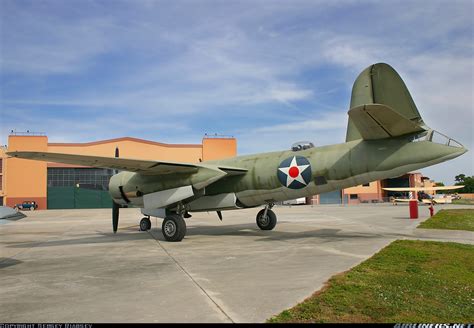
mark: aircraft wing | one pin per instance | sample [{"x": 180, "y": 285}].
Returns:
[
  {"x": 145, "y": 167},
  {"x": 424, "y": 188}
]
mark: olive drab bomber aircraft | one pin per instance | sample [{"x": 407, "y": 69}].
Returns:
[{"x": 386, "y": 137}]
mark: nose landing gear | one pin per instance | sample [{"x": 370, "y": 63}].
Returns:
[{"x": 145, "y": 224}]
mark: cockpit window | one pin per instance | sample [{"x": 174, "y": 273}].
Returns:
[
  {"x": 439, "y": 138},
  {"x": 420, "y": 136},
  {"x": 436, "y": 137},
  {"x": 302, "y": 145}
]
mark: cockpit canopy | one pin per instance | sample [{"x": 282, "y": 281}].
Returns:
[
  {"x": 302, "y": 145},
  {"x": 436, "y": 137}
]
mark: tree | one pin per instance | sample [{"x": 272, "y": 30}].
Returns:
[
  {"x": 460, "y": 178},
  {"x": 466, "y": 181}
]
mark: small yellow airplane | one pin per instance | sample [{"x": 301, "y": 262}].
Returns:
[{"x": 415, "y": 190}]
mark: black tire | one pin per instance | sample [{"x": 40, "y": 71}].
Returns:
[
  {"x": 267, "y": 223},
  {"x": 173, "y": 228},
  {"x": 145, "y": 224}
]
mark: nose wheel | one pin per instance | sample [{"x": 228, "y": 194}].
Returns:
[{"x": 145, "y": 224}]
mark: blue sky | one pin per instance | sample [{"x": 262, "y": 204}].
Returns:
[{"x": 267, "y": 72}]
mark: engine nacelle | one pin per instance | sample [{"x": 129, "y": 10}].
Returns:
[{"x": 120, "y": 191}]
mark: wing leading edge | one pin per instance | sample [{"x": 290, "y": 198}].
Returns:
[{"x": 145, "y": 167}]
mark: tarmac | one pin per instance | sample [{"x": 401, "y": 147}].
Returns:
[{"x": 68, "y": 266}]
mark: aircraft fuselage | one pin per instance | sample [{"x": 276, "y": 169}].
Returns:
[{"x": 271, "y": 176}]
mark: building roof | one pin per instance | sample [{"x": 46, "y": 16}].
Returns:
[{"x": 85, "y": 144}]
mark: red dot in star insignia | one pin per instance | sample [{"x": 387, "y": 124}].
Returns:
[{"x": 294, "y": 172}]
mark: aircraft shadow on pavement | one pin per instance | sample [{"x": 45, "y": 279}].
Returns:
[
  {"x": 242, "y": 230},
  {"x": 251, "y": 230},
  {"x": 100, "y": 237},
  {"x": 7, "y": 262}
]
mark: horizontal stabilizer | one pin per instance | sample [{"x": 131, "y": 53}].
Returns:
[{"x": 377, "y": 121}]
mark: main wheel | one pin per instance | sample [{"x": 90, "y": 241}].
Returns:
[
  {"x": 173, "y": 228},
  {"x": 145, "y": 224},
  {"x": 266, "y": 223}
]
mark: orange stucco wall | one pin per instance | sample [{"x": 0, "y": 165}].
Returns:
[
  {"x": 132, "y": 148},
  {"x": 2, "y": 176},
  {"x": 365, "y": 193},
  {"x": 218, "y": 148},
  {"x": 26, "y": 180}
]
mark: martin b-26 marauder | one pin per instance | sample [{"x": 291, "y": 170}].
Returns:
[{"x": 386, "y": 137}]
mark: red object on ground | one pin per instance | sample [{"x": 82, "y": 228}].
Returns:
[
  {"x": 413, "y": 209},
  {"x": 431, "y": 208}
]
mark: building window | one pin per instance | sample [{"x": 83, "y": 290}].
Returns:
[
  {"x": 1, "y": 182},
  {"x": 354, "y": 196},
  {"x": 366, "y": 185},
  {"x": 1, "y": 165},
  {"x": 69, "y": 177}
]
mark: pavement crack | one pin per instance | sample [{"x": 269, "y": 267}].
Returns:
[{"x": 192, "y": 279}]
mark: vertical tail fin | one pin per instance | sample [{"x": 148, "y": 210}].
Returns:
[{"x": 380, "y": 84}]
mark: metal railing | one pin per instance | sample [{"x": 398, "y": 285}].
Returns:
[
  {"x": 27, "y": 133},
  {"x": 215, "y": 135}
]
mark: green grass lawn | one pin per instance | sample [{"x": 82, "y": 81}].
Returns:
[
  {"x": 463, "y": 201},
  {"x": 407, "y": 281},
  {"x": 462, "y": 219}
]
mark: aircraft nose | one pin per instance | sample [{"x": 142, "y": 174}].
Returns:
[{"x": 455, "y": 148}]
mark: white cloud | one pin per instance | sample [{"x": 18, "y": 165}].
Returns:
[{"x": 328, "y": 121}]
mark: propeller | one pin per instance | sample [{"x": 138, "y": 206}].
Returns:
[
  {"x": 115, "y": 206},
  {"x": 115, "y": 216}
]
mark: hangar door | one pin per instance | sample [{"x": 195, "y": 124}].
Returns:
[
  {"x": 70, "y": 187},
  {"x": 399, "y": 182},
  {"x": 73, "y": 197},
  {"x": 333, "y": 197}
]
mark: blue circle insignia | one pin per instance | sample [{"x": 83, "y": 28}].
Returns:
[{"x": 294, "y": 172}]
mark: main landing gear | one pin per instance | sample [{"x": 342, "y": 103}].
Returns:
[
  {"x": 266, "y": 218},
  {"x": 173, "y": 227}
]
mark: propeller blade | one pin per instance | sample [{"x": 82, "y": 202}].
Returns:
[
  {"x": 115, "y": 216},
  {"x": 115, "y": 206},
  {"x": 219, "y": 214}
]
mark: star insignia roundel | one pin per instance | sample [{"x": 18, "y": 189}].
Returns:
[{"x": 294, "y": 172}]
